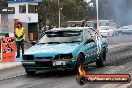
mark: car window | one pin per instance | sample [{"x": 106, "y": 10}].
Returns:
[
  {"x": 104, "y": 27},
  {"x": 93, "y": 34},
  {"x": 62, "y": 36},
  {"x": 87, "y": 35}
]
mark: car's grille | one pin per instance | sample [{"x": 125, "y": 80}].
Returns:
[
  {"x": 63, "y": 56},
  {"x": 39, "y": 58},
  {"x": 28, "y": 57},
  {"x": 44, "y": 63}
]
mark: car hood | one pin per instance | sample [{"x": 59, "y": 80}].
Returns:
[{"x": 51, "y": 49}]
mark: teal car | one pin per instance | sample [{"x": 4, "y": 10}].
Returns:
[{"x": 66, "y": 49}]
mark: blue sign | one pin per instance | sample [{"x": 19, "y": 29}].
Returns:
[{"x": 24, "y": 0}]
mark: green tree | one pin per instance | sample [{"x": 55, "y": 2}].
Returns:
[{"x": 71, "y": 10}]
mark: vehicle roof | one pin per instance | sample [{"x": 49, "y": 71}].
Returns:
[
  {"x": 125, "y": 27},
  {"x": 104, "y": 26},
  {"x": 69, "y": 28}
]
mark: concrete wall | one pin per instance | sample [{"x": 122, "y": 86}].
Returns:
[{"x": 24, "y": 17}]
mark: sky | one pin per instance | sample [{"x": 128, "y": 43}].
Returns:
[{"x": 88, "y": 0}]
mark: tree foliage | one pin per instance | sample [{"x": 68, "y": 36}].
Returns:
[{"x": 71, "y": 10}]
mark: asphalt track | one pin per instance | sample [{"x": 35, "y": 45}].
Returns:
[{"x": 119, "y": 61}]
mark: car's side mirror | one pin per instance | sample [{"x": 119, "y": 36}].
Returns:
[
  {"x": 89, "y": 41},
  {"x": 33, "y": 43}
]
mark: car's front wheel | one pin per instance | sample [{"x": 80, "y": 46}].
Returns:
[
  {"x": 80, "y": 61},
  {"x": 116, "y": 33},
  {"x": 101, "y": 62}
]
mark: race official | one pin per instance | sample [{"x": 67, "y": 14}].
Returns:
[{"x": 20, "y": 38}]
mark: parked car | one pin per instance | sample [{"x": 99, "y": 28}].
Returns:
[
  {"x": 125, "y": 30},
  {"x": 107, "y": 31},
  {"x": 67, "y": 49}
]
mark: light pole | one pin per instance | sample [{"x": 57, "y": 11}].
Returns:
[
  {"x": 97, "y": 13},
  {"x": 59, "y": 11}
]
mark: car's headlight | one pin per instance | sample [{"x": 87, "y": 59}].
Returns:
[
  {"x": 28, "y": 57},
  {"x": 63, "y": 56}
]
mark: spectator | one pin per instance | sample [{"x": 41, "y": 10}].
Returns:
[{"x": 20, "y": 38}]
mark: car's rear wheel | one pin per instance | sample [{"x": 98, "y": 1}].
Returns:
[
  {"x": 101, "y": 62},
  {"x": 30, "y": 72},
  {"x": 112, "y": 35},
  {"x": 123, "y": 33},
  {"x": 80, "y": 61},
  {"x": 116, "y": 33}
]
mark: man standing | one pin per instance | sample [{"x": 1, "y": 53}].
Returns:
[{"x": 20, "y": 38}]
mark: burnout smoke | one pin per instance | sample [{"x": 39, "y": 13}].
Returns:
[
  {"x": 122, "y": 11},
  {"x": 118, "y": 10}
]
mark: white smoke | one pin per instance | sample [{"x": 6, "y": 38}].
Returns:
[{"x": 122, "y": 11}]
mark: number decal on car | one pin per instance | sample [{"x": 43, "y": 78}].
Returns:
[{"x": 98, "y": 39}]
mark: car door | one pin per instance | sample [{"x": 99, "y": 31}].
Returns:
[
  {"x": 96, "y": 45},
  {"x": 91, "y": 50},
  {"x": 90, "y": 47}
]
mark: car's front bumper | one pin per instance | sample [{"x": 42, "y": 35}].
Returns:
[{"x": 48, "y": 64}]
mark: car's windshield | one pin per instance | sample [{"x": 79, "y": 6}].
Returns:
[
  {"x": 61, "y": 36},
  {"x": 104, "y": 27}
]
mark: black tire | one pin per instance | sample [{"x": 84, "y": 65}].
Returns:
[
  {"x": 113, "y": 35},
  {"x": 80, "y": 61},
  {"x": 116, "y": 33},
  {"x": 30, "y": 73},
  {"x": 104, "y": 55},
  {"x": 81, "y": 80},
  {"x": 101, "y": 62}
]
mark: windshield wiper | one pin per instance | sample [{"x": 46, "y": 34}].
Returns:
[
  {"x": 41, "y": 43},
  {"x": 72, "y": 42},
  {"x": 50, "y": 43},
  {"x": 53, "y": 43}
]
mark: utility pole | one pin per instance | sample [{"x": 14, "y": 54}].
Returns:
[
  {"x": 97, "y": 13},
  {"x": 59, "y": 11}
]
